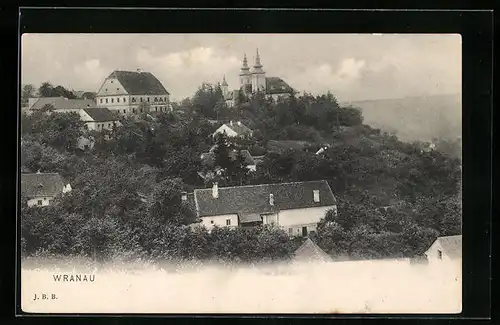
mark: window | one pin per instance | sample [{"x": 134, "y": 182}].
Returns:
[
  {"x": 39, "y": 202},
  {"x": 148, "y": 99},
  {"x": 141, "y": 99},
  {"x": 124, "y": 111},
  {"x": 117, "y": 88},
  {"x": 112, "y": 100},
  {"x": 133, "y": 99},
  {"x": 133, "y": 110},
  {"x": 101, "y": 100},
  {"x": 106, "y": 89},
  {"x": 111, "y": 81},
  {"x": 109, "y": 124},
  {"x": 141, "y": 109},
  {"x": 228, "y": 222},
  {"x": 118, "y": 100},
  {"x": 156, "y": 109},
  {"x": 106, "y": 100},
  {"x": 440, "y": 255},
  {"x": 211, "y": 221},
  {"x": 290, "y": 231},
  {"x": 316, "y": 195},
  {"x": 156, "y": 99},
  {"x": 124, "y": 99}
]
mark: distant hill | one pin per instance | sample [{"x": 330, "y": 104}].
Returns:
[{"x": 415, "y": 118}]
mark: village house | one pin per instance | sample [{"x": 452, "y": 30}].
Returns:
[
  {"x": 96, "y": 119},
  {"x": 296, "y": 207},
  {"x": 310, "y": 252},
  {"x": 445, "y": 249},
  {"x": 254, "y": 81},
  {"x": 234, "y": 129},
  {"x": 41, "y": 188},
  {"x": 133, "y": 92},
  {"x": 59, "y": 104}
]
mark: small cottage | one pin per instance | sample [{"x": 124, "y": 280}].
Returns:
[
  {"x": 309, "y": 251},
  {"x": 445, "y": 249},
  {"x": 42, "y": 188},
  {"x": 234, "y": 129}
]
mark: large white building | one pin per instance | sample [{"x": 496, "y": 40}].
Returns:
[
  {"x": 445, "y": 249},
  {"x": 133, "y": 92},
  {"x": 254, "y": 80},
  {"x": 296, "y": 207}
]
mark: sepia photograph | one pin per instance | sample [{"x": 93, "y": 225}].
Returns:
[{"x": 240, "y": 173}]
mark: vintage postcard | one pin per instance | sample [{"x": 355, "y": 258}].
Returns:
[{"x": 241, "y": 173}]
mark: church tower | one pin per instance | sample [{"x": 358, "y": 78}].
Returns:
[
  {"x": 224, "y": 87},
  {"x": 258, "y": 76},
  {"x": 245, "y": 75}
]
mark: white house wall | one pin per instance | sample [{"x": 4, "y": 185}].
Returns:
[
  {"x": 45, "y": 201},
  {"x": 211, "y": 221},
  {"x": 433, "y": 256}
]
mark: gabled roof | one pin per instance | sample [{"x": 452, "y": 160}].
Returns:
[
  {"x": 240, "y": 128},
  {"x": 62, "y": 103},
  {"x": 310, "y": 251},
  {"x": 101, "y": 114},
  {"x": 255, "y": 198},
  {"x": 139, "y": 83},
  {"x": 452, "y": 245},
  {"x": 276, "y": 85},
  {"x": 43, "y": 184}
]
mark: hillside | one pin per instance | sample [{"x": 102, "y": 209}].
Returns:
[{"x": 415, "y": 118}]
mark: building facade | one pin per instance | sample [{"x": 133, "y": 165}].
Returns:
[
  {"x": 128, "y": 92},
  {"x": 445, "y": 249},
  {"x": 234, "y": 129},
  {"x": 296, "y": 207},
  {"x": 253, "y": 81}
]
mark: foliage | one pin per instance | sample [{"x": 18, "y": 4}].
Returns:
[{"x": 46, "y": 89}]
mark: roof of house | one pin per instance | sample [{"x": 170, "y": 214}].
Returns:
[
  {"x": 239, "y": 128},
  {"x": 310, "y": 251},
  {"x": 62, "y": 103},
  {"x": 101, "y": 114},
  {"x": 255, "y": 198},
  {"x": 452, "y": 245},
  {"x": 208, "y": 158},
  {"x": 41, "y": 184},
  {"x": 276, "y": 85},
  {"x": 139, "y": 83}
]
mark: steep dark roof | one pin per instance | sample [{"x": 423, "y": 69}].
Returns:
[
  {"x": 452, "y": 245},
  {"x": 43, "y": 184},
  {"x": 255, "y": 198},
  {"x": 101, "y": 114},
  {"x": 310, "y": 251},
  {"x": 62, "y": 103},
  {"x": 139, "y": 83},
  {"x": 276, "y": 85}
]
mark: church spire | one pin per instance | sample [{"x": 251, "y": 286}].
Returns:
[
  {"x": 257, "y": 60},
  {"x": 224, "y": 83},
  {"x": 245, "y": 63}
]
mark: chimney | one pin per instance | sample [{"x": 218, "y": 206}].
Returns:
[
  {"x": 184, "y": 196},
  {"x": 239, "y": 123},
  {"x": 316, "y": 195},
  {"x": 271, "y": 199},
  {"x": 215, "y": 190}
]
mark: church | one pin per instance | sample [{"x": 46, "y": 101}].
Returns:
[{"x": 255, "y": 80}]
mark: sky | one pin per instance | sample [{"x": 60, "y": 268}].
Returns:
[{"x": 351, "y": 66}]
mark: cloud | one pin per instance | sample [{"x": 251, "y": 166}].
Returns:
[
  {"x": 182, "y": 72},
  {"x": 89, "y": 73}
]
